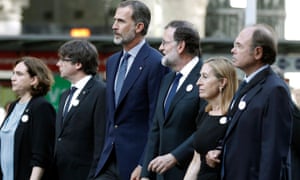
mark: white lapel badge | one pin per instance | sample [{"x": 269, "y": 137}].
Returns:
[
  {"x": 223, "y": 120},
  {"x": 25, "y": 118},
  {"x": 75, "y": 102},
  {"x": 189, "y": 88},
  {"x": 242, "y": 105}
]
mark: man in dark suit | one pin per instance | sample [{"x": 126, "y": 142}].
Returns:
[
  {"x": 257, "y": 142},
  {"x": 130, "y": 107},
  {"x": 80, "y": 125},
  {"x": 295, "y": 144},
  {"x": 169, "y": 149}
]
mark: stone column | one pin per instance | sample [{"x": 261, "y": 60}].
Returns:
[{"x": 11, "y": 16}]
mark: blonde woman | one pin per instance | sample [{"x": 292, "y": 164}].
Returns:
[{"x": 217, "y": 84}]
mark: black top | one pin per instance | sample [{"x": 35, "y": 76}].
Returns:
[{"x": 209, "y": 132}]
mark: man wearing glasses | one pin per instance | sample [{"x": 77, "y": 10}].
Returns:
[
  {"x": 80, "y": 122},
  {"x": 169, "y": 149}
]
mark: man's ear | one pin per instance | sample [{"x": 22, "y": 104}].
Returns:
[
  {"x": 78, "y": 65},
  {"x": 258, "y": 52},
  {"x": 180, "y": 46},
  {"x": 139, "y": 27}
]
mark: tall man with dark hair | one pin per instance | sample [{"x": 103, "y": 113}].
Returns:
[{"x": 133, "y": 78}]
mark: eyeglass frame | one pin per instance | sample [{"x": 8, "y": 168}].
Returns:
[
  {"x": 65, "y": 59},
  {"x": 163, "y": 42}
]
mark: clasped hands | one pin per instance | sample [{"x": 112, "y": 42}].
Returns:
[{"x": 212, "y": 158}]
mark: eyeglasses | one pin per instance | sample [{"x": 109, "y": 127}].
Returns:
[
  {"x": 66, "y": 59},
  {"x": 163, "y": 42}
]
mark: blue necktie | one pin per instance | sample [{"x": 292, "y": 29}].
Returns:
[
  {"x": 67, "y": 104},
  {"x": 121, "y": 77},
  {"x": 172, "y": 92},
  {"x": 235, "y": 99},
  {"x": 241, "y": 86}
]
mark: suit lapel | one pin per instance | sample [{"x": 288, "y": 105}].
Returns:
[
  {"x": 114, "y": 65},
  {"x": 137, "y": 67},
  {"x": 84, "y": 92},
  {"x": 187, "y": 87},
  {"x": 248, "y": 93},
  {"x": 164, "y": 92},
  {"x": 245, "y": 99},
  {"x": 19, "y": 133},
  {"x": 60, "y": 111}
]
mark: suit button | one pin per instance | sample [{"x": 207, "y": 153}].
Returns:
[
  {"x": 59, "y": 139},
  {"x": 116, "y": 126}
]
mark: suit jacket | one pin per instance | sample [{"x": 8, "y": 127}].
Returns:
[
  {"x": 257, "y": 140},
  {"x": 34, "y": 138},
  {"x": 173, "y": 133},
  {"x": 80, "y": 136},
  {"x": 129, "y": 121},
  {"x": 295, "y": 146}
]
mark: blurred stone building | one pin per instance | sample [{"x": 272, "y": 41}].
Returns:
[
  {"x": 223, "y": 21},
  {"x": 213, "y": 18}
]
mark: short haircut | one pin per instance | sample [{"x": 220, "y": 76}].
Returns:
[
  {"x": 81, "y": 51},
  {"x": 141, "y": 13},
  {"x": 264, "y": 36},
  {"x": 185, "y": 31}
]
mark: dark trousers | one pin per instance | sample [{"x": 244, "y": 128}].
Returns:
[{"x": 110, "y": 170}]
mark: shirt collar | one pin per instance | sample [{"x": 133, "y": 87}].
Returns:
[
  {"x": 134, "y": 51},
  {"x": 251, "y": 76},
  {"x": 82, "y": 82},
  {"x": 189, "y": 66}
]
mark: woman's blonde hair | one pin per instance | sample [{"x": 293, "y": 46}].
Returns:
[{"x": 223, "y": 68}]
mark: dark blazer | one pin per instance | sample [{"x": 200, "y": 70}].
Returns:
[
  {"x": 128, "y": 122},
  {"x": 172, "y": 134},
  {"x": 257, "y": 140},
  {"x": 79, "y": 138},
  {"x": 295, "y": 146},
  {"x": 34, "y": 138}
]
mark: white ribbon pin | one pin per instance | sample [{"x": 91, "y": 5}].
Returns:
[
  {"x": 25, "y": 118},
  {"x": 242, "y": 105},
  {"x": 223, "y": 120},
  {"x": 75, "y": 102},
  {"x": 189, "y": 88}
]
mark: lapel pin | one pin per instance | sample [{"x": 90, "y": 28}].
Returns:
[
  {"x": 25, "y": 118},
  {"x": 189, "y": 88},
  {"x": 223, "y": 120},
  {"x": 242, "y": 105},
  {"x": 140, "y": 67},
  {"x": 75, "y": 102}
]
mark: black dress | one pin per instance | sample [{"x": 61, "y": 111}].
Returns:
[{"x": 207, "y": 137}]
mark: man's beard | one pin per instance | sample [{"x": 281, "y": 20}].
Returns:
[
  {"x": 165, "y": 61},
  {"x": 170, "y": 60}
]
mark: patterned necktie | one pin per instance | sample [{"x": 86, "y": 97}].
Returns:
[
  {"x": 121, "y": 77},
  {"x": 241, "y": 86},
  {"x": 172, "y": 92},
  {"x": 236, "y": 96},
  {"x": 67, "y": 104}
]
